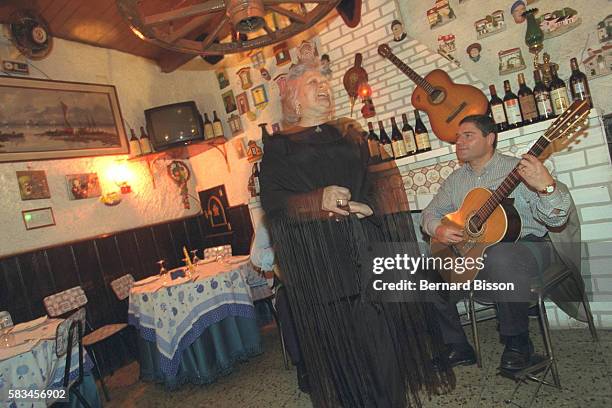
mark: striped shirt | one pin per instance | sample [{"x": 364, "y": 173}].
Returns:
[{"x": 536, "y": 211}]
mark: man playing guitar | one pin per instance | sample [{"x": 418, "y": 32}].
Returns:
[{"x": 539, "y": 201}]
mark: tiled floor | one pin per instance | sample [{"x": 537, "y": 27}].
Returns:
[{"x": 585, "y": 370}]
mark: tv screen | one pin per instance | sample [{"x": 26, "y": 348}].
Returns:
[{"x": 175, "y": 124}]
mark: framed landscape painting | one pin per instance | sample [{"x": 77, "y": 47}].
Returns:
[{"x": 42, "y": 119}]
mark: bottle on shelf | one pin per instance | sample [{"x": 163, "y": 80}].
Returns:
[
  {"x": 373, "y": 148},
  {"x": 497, "y": 110},
  {"x": 542, "y": 97},
  {"x": 217, "y": 126},
  {"x": 134, "y": 144},
  {"x": 527, "y": 101},
  {"x": 558, "y": 93},
  {"x": 408, "y": 136},
  {"x": 579, "y": 85},
  {"x": 397, "y": 142},
  {"x": 256, "y": 178},
  {"x": 265, "y": 136},
  {"x": 421, "y": 135},
  {"x": 385, "y": 147},
  {"x": 512, "y": 106},
  {"x": 208, "y": 128},
  {"x": 145, "y": 143}
]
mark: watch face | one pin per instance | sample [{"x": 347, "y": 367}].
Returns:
[{"x": 39, "y": 35}]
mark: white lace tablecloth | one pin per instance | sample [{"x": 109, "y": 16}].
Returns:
[{"x": 174, "y": 315}]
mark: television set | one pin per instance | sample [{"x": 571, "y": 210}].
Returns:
[{"x": 174, "y": 124}]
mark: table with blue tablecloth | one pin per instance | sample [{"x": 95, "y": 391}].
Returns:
[
  {"x": 32, "y": 364},
  {"x": 194, "y": 328}
]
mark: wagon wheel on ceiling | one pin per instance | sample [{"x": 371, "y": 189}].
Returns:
[{"x": 216, "y": 27}]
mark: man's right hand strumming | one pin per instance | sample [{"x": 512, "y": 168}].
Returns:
[{"x": 447, "y": 234}]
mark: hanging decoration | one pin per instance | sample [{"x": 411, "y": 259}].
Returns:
[
  {"x": 558, "y": 22},
  {"x": 604, "y": 29},
  {"x": 281, "y": 53},
  {"x": 180, "y": 174},
  {"x": 326, "y": 66},
  {"x": 491, "y": 24},
  {"x": 397, "y": 28},
  {"x": 258, "y": 60},
  {"x": 446, "y": 47},
  {"x": 598, "y": 63},
  {"x": 440, "y": 14},
  {"x": 510, "y": 61},
  {"x": 244, "y": 74},
  {"x": 517, "y": 10},
  {"x": 222, "y": 78},
  {"x": 534, "y": 37},
  {"x": 473, "y": 51},
  {"x": 235, "y": 124},
  {"x": 545, "y": 68},
  {"x": 265, "y": 74},
  {"x": 355, "y": 76},
  {"x": 307, "y": 52},
  {"x": 260, "y": 97},
  {"x": 229, "y": 101},
  {"x": 254, "y": 152}
]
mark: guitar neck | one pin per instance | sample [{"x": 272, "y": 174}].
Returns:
[
  {"x": 410, "y": 73},
  {"x": 508, "y": 185}
]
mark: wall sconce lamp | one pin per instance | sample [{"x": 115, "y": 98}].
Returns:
[
  {"x": 365, "y": 93},
  {"x": 121, "y": 175}
]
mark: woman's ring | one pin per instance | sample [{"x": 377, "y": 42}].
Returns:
[{"x": 341, "y": 202}]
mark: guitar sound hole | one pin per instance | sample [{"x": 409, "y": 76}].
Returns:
[
  {"x": 437, "y": 96},
  {"x": 474, "y": 225}
]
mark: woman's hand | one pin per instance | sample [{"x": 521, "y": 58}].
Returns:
[
  {"x": 360, "y": 209},
  {"x": 335, "y": 198}
]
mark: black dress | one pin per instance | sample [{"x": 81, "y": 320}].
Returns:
[{"x": 358, "y": 352}]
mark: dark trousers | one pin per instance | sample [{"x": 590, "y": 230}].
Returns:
[{"x": 518, "y": 263}]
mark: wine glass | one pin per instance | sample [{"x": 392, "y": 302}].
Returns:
[
  {"x": 162, "y": 269},
  {"x": 194, "y": 256}
]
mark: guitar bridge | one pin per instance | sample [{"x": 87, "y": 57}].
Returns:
[{"x": 456, "y": 112}]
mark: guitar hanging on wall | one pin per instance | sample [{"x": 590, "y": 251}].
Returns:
[
  {"x": 445, "y": 102},
  {"x": 487, "y": 217}
]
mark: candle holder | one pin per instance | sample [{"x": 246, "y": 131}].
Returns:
[{"x": 534, "y": 37}]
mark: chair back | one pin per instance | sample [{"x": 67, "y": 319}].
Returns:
[
  {"x": 222, "y": 251},
  {"x": 121, "y": 286},
  {"x": 69, "y": 333},
  {"x": 66, "y": 301},
  {"x": 5, "y": 319}
]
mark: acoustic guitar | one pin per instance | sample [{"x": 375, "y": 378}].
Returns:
[
  {"x": 445, "y": 102},
  {"x": 488, "y": 217}
]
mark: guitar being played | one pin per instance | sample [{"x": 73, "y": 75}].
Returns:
[{"x": 495, "y": 197}]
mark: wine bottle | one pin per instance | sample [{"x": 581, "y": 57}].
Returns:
[
  {"x": 558, "y": 93},
  {"x": 497, "y": 110},
  {"x": 373, "y": 143},
  {"x": 217, "y": 126},
  {"x": 208, "y": 128},
  {"x": 408, "y": 136},
  {"x": 385, "y": 147},
  {"x": 397, "y": 142},
  {"x": 527, "y": 101},
  {"x": 542, "y": 97},
  {"x": 579, "y": 86},
  {"x": 513, "y": 109},
  {"x": 421, "y": 135},
  {"x": 256, "y": 179},
  {"x": 145, "y": 143},
  {"x": 134, "y": 144}
]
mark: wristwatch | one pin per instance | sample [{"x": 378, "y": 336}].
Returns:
[{"x": 549, "y": 189}]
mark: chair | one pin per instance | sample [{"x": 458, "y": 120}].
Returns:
[
  {"x": 5, "y": 319},
  {"x": 218, "y": 251},
  {"x": 121, "y": 286},
  {"x": 554, "y": 275},
  {"x": 69, "y": 333},
  {"x": 74, "y": 298}
]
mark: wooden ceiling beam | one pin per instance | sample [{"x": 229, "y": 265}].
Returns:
[{"x": 208, "y": 7}]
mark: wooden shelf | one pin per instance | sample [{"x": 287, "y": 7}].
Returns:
[{"x": 183, "y": 152}]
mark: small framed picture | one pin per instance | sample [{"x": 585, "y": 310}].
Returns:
[
  {"x": 243, "y": 103},
  {"x": 81, "y": 186},
  {"x": 33, "y": 185},
  {"x": 260, "y": 97},
  {"x": 281, "y": 52},
  {"x": 258, "y": 60},
  {"x": 222, "y": 78},
  {"x": 38, "y": 218},
  {"x": 228, "y": 101},
  {"x": 276, "y": 127},
  {"x": 239, "y": 146}
]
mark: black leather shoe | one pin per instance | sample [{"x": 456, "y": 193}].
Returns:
[
  {"x": 517, "y": 354},
  {"x": 456, "y": 355}
]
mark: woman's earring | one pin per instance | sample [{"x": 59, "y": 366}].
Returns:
[{"x": 298, "y": 109}]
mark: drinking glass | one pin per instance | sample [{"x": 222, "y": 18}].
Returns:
[
  {"x": 5, "y": 320},
  {"x": 194, "y": 256},
  {"x": 162, "y": 269},
  {"x": 7, "y": 340}
]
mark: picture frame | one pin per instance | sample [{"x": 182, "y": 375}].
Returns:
[
  {"x": 229, "y": 101},
  {"x": 43, "y": 119},
  {"x": 38, "y": 218},
  {"x": 239, "y": 147},
  {"x": 242, "y": 101},
  {"x": 33, "y": 185},
  {"x": 222, "y": 78},
  {"x": 214, "y": 207},
  {"x": 83, "y": 185},
  {"x": 260, "y": 96}
]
